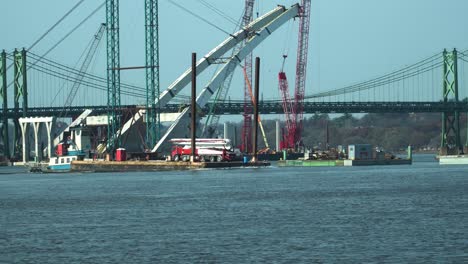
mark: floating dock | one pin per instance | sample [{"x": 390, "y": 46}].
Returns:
[
  {"x": 335, "y": 163},
  {"x": 376, "y": 162},
  {"x": 453, "y": 160},
  {"x": 122, "y": 166},
  {"x": 360, "y": 155},
  {"x": 310, "y": 163}
]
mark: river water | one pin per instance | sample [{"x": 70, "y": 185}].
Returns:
[{"x": 387, "y": 214}]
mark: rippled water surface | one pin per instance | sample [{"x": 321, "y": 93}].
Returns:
[{"x": 388, "y": 214}]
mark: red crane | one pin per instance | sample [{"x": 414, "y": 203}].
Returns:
[
  {"x": 294, "y": 110},
  {"x": 288, "y": 137}
]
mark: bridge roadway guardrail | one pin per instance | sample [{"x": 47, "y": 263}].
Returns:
[{"x": 271, "y": 107}]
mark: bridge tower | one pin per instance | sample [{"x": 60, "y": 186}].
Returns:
[
  {"x": 113, "y": 73},
  {"x": 20, "y": 92},
  {"x": 3, "y": 94},
  {"x": 450, "y": 138},
  {"x": 153, "y": 125}
]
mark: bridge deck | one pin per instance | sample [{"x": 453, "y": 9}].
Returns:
[{"x": 235, "y": 108}]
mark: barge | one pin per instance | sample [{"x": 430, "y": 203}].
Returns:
[
  {"x": 124, "y": 166},
  {"x": 359, "y": 155},
  {"x": 453, "y": 160}
]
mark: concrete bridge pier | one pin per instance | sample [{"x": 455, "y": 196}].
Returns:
[
  {"x": 24, "y": 132},
  {"x": 36, "y": 122}
]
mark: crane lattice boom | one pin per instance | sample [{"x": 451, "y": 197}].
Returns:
[
  {"x": 301, "y": 67},
  {"x": 288, "y": 139},
  {"x": 84, "y": 67},
  {"x": 294, "y": 110}
]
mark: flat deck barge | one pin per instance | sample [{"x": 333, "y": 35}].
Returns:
[
  {"x": 453, "y": 160},
  {"x": 121, "y": 166},
  {"x": 377, "y": 162},
  {"x": 310, "y": 163},
  {"x": 334, "y": 163}
]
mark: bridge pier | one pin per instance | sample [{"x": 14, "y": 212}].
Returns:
[{"x": 36, "y": 122}]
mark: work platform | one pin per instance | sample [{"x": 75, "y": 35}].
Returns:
[
  {"x": 124, "y": 166},
  {"x": 335, "y": 163},
  {"x": 453, "y": 160},
  {"x": 310, "y": 163}
]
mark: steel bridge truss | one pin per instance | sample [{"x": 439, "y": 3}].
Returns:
[
  {"x": 113, "y": 72},
  {"x": 266, "y": 107},
  {"x": 153, "y": 125}
]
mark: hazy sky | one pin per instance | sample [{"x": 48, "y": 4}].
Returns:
[{"x": 350, "y": 40}]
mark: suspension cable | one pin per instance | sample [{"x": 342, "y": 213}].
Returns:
[
  {"x": 71, "y": 32},
  {"x": 62, "y": 39},
  {"x": 56, "y": 24},
  {"x": 76, "y": 65},
  {"x": 375, "y": 83},
  {"x": 87, "y": 75},
  {"x": 388, "y": 77},
  {"x": 60, "y": 75}
]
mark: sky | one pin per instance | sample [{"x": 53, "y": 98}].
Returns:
[{"x": 349, "y": 42}]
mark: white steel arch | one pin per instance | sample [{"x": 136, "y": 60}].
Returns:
[
  {"x": 180, "y": 83},
  {"x": 252, "y": 42}
]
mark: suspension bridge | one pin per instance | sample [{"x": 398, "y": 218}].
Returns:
[
  {"x": 39, "y": 86},
  {"x": 265, "y": 108}
]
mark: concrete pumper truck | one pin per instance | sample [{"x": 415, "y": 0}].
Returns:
[{"x": 206, "y": 149}]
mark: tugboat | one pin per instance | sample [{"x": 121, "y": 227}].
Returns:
[
  {"x": 74, "y": 147},
  {"x": 66, "y": 153}
]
